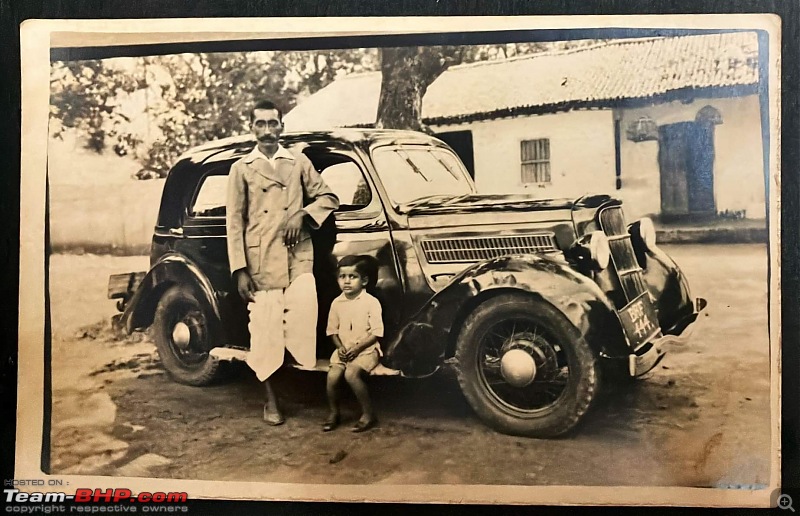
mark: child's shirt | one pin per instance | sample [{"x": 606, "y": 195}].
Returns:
[{"x": 356, "y": 319}]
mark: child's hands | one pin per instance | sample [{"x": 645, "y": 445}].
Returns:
[
  {"x": 343, "y": 354},
  {"x": 352, "y": 352}
]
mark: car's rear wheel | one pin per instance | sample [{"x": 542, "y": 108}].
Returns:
[
  {"x": 183, "y": 337},
  {"x": 524, "y": 368}
]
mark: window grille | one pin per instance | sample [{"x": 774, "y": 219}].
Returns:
[{"x": 535, "y": 160}]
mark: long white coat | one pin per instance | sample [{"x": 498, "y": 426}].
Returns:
[{"x": 260, "y": 199}]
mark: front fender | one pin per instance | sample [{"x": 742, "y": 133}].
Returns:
[
  {"x": 170, "y": 270},
  {"x": 668, "y": 287},
  {"x": 430, "y": 336}
]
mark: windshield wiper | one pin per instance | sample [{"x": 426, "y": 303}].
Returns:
[
  {"x": 445, "y": 165},
  {"x": 403, "y": 154}
]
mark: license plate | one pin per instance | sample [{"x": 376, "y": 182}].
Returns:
[{"x": 639, "y": 321}]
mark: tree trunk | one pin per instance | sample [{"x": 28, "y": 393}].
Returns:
[{"x": 406, "y": 73}]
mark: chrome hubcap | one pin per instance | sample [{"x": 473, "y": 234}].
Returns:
[
  {"x": 518, "y": 367},
  {"x": 181, "y": 335}
]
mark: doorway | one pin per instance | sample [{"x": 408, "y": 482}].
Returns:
[
  {"x": 461, "y": 143},
  {"x": 686, "y": 162}
]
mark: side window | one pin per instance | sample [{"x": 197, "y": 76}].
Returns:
[
  {"x": 210, "y": 198},
  {"x": 343, "y": 177},
  {"x": 349, "y": 185}
]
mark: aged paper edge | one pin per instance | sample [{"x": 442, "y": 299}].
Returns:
[{"x": 37, "y": 36}]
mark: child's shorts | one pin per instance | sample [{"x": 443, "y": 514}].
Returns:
[{"x": 366, "y": 361}]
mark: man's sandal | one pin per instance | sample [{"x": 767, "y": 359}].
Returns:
[
  {"x": 330, "y": 424},
  {"x": 273, "y": 418},
  {"x": 363, "y": 426}
]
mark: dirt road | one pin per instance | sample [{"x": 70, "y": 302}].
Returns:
[{"x": 700, "y": 419}]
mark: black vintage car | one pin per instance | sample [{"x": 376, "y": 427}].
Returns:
[{"x": 532, "y": 300}]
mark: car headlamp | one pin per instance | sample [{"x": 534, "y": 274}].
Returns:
[
  {"x": 647, "y": 232},
  {"x": 599, "y": 249}
]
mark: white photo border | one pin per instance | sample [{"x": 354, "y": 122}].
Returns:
[{"x": 38, "y": 37}]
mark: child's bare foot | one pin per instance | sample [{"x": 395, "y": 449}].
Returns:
[
  {"x": 365, "y": 423},
  {"x": 331, "y": 423}
]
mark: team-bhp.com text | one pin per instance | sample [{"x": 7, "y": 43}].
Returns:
[{"x": 22, "y": 503}]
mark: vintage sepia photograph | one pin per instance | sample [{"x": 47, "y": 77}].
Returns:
[{"x": 440, "y": 258}]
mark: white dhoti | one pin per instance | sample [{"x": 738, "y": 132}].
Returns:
[{"x": 283, "y": 319}]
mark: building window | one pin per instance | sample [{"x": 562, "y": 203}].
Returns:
[{"x": 535, "y": 159}]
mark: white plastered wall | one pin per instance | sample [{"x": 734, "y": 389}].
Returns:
[{"x": 581, "y": 152}]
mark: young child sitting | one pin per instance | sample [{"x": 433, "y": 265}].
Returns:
[{"x": 354, "y": 325}]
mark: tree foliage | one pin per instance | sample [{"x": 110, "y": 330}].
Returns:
[
  {"x": 83, "y": 96},
  {"x": 154, "y": 108},
  {"x": 185, "y": 99}
]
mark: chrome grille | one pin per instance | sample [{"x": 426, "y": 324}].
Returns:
[
  {"x": 475, "y": 249},
  {"x": 612, "y": 222}
]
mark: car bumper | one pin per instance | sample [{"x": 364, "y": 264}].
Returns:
[{"x": 648, "y": 356}]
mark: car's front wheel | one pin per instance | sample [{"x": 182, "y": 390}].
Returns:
[
  {"x": 183, "y": 337},
  {"x": 524, "y": 368}
]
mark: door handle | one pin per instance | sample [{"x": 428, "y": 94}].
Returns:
[
  {"x": 176, "y": 232},
  {"x": 435, "y": 277}
]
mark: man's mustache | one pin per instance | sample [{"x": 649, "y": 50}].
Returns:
[{"x": 267, "y": 138}]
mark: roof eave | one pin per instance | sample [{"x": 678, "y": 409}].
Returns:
[{"x": 682, "y": 94}]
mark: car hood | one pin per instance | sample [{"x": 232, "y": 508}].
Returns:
[
  {"x": 449, "y": 234},
  {"x": 450, "y": 211}
]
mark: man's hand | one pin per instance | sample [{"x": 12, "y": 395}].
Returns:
[
  {"x": 245, "y": 285},
  {"x": 293, "y": 226}
]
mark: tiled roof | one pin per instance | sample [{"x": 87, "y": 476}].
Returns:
[{"x": 623, "y": 69}]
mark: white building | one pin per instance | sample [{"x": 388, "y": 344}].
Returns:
[{"x": 670, "y": 125}]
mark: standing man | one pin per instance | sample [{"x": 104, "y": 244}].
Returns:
[{"x": 270, "y": 251}]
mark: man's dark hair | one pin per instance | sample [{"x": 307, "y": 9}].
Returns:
[{"x": 265, "y": 104}]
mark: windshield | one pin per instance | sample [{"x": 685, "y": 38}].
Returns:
[{"x": 413, "y": 174}]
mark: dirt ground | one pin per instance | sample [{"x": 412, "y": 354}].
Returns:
[{"x": 700, "y": 419}]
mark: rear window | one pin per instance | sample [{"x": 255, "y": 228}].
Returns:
[{"x": 210, "y": 198}]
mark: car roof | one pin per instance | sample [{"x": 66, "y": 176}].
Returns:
[
  {"x": 193, "y": 164},
  {"x": 236, "y": 146}
]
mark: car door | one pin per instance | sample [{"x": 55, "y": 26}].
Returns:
[
  {"x": 202, "y": 239},
  {"x": 361, "y": 228}
]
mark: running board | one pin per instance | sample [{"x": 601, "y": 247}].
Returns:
[
  {"x": 322, "y": 365},
  {"x": 228, "y": 354}
]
